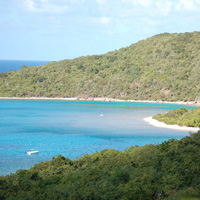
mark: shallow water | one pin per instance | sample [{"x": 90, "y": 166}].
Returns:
[{"x": 74, "y": 128}]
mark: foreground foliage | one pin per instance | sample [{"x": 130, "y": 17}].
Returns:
[
  {"x": 181, "y": 117},
  {"x": 170, "y": 171},
  {"x": 164, "y": 67}
]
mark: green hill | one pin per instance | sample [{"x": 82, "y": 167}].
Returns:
[
  {"x": 181, "y": 117},
  {"x": 167, "y": 171},
  {"x": 163, "y": 67}
]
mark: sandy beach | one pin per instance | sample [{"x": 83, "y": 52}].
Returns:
[
  {"x": 156, "y": 123},
  {"x": 103, "y": 99}
]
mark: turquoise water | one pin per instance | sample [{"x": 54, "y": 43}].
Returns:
[
  {"x": 9, "y": 65},
  {"x": 73, "y": 129}
]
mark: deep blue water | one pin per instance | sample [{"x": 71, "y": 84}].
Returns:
[
  {"x": 9, "y": 65},
  {"x": 73, "y": 129}
]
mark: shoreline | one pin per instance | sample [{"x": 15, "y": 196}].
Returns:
[
  {"x": 159, "y": 124},
  {"x": 103, "y": 99}
]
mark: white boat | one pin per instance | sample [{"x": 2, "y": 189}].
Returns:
[{"x": 32, "y": 152}]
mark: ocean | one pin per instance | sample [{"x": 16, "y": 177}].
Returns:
[
  {"x": 9, "y": 65},
  {"x": 74, "y": 128}
]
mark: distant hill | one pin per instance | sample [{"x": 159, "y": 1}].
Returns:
[{"x": 163, "y": 67}]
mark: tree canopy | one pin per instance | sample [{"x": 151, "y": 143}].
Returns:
[
  {"x": 163, "y": 67},
  {"x": 169, "y": 171},
  {"x": 181, "y": 117}
]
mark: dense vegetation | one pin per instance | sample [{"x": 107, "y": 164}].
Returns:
[
  {"x": 170, "y": 171},
  {"x": 164, "y": 67},
  {"x": 181, "y": 117}
]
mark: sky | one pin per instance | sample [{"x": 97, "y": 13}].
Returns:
[{"x": 54, "y": 30}]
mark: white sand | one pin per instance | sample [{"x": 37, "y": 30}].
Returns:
[
  {"x": 156, "y": 123},
  {"x": 104, "y": 99}
]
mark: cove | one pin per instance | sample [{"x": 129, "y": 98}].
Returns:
[{"x": 74, "y": 128}]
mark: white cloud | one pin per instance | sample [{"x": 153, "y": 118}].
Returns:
[
  {"x": 186, "y": 5},
  {"x": 149, "y": 7},
  {"x": 44, "y": 6},
  {"x": 44, "y": 1},
  {"x": 164, "y": 7},
  {"x": 117, "y": 22},
  {"x": 143, "y": 3},
  {"x": 197, "y": 1},
  {"x": 100, "y": 1},
  {"x": 30, "y": 5},
  {"x": 105, "y": 20}
]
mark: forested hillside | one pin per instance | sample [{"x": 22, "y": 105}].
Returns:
[
  {"x": 181, "y": 117},
  {"x": 163, "y": 67},
  {"x": 170, "y": 171}
]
